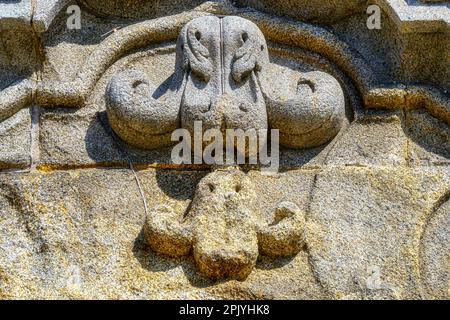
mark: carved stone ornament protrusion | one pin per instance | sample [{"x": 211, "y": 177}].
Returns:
[
  {"x": 224, "y": 229},
  {"x": 221, "y": 79}
]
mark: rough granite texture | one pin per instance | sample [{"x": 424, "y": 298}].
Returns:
[
  {"x": 224, "y": 227},
  {"x": 362, "y": 214}
]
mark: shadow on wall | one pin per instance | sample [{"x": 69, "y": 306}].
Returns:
[
  {"x": 152, "y": 262},
  {"x": 100, "y": 18},
  {"x": 104, "y": 146},
  {"x": 179, "y": 185}
]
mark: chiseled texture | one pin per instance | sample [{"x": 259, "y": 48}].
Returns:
[
  {"x": 318, "y": 11},
  {"x": 85, "y": 214},
  {"x": 222, "y": 80}
]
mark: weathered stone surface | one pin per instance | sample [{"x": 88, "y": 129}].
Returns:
[
  {"x": 224, "y": 228},
  {"x": 429, "y": 139},
  {"x": 221, "y": 81},
  {"x": 82, "y": 238},
  {"x": 375, "y": 140},
  {"x": 78, "y": 234},
  {"x": 17, "y": 58},
  {"x": 315, "y": 11},
  {"x": 138, "y": 9},
  {"x": 435, "y": 252},
  {"x": 15, "y": 14},
  {"x": 36, "y": 14},
  {"x": 79, "y": 143},
  {"x": 364, "y": 214}
]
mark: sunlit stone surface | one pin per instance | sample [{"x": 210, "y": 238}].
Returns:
[{"x": 92, "y": 205}]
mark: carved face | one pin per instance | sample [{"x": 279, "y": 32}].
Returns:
[{"x": 220, "y": 60}]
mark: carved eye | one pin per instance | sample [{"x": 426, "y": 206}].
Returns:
[
  {"x": 198, "y": 35},
  {"x": 211, "y": 187},
  {"x": 238, "y": 188},
  {"x": 244, "y": 36},
  {"x": 262, "y": 48}
]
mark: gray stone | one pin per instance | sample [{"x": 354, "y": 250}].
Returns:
[
  {"x": 224, "y": 228},
  {"x": 15, "y": 14},
  {"x": 358, "y": 210},
  {"x": 365, "y": 227},
  {"x": 27, "y": 14},
  {"x": 221, "y": 81},
  {"x": 138, "y": 9},
  {"x": 82, "y": 141},
  {"x": 375, "y": 140},
  {"x": 15, "y": 141},
  {"x": 45, "y": 11},
  {"x": 414, "y": 17},
  {"x": 317, "y": 11},
  {"x": 429, "y": 139},
  {"x": 435, "y": 250}
]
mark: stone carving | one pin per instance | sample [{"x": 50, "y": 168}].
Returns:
[
  {"x": 375, "y": 93},
  {"x": 224, "y": 228},
  {"x": 435, "y": 252},
  {"x": 221, "y": 79}
]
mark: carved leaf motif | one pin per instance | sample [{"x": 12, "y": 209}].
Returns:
[
  {"x": 196, "y": 55},
  {"x": 247, "y": 58}
]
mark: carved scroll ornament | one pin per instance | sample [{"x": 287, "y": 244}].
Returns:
[{"x": 221, "y": 79}]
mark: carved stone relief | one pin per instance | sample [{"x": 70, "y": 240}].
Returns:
[{"x": 221, "y": 80}]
